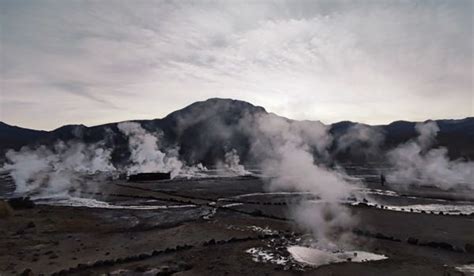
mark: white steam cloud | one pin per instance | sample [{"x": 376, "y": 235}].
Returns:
[
  {"x": 232, "y": 164},
  {"x": 62, "y": 169},
  {"x": 56, "y": 170},
  {"x": 288, "y": 150},
  {"x": 145, "y": 155},
  {"x": 417, "y": 163}
]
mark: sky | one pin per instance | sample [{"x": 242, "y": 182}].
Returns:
[{"x": 95, "y": 62}]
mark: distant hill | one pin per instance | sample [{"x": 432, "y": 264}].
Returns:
[
  {"x": 199, "y": 127},
  {"x": 15, "y": 137}
]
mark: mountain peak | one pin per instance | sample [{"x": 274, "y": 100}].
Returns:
[{"x": 214, "y": 106}]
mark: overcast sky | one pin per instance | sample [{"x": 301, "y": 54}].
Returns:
[{"x": 93, "y": 62}]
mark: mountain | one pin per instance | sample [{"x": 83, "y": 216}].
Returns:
[
  {"x": 15, "y": 137},
  {"x": 199, "y": 127}
]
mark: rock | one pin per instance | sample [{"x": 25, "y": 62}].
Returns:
[
  {"x": 30, "y": 225},
  {"x": 441, "y": 245},
  {"x": 363, "y": 204},
  {"x": 18, "y": 203}
]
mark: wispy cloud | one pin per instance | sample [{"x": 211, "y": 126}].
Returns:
[
  {"x": 371, "y": 61},
  {"x": 81, "y": 90}
]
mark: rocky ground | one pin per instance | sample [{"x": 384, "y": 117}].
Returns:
[{"x": 208, "y": 229}]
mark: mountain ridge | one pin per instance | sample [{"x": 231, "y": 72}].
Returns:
[{"x": 194, "y": 129}]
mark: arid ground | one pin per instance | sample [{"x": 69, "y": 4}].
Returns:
[{"x": 218, "y": 226}]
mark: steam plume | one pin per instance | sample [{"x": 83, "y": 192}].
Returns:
[
  {"x": 288, "y": 153},
  {"x": 56, "y": 170},
  {"x": 145, "y": 155},
  {"x": 232, "y": 163},
  {"x": 416, "y": 162}
]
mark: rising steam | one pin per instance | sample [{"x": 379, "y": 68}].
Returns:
[
  {"x": 418, "y": 163},
  {"x": 288, "y": 153},
  {"x": 232, "y": 164},
  {"x": 56, "y": 170},
  {"x": 62, "y": 168},
  {"x": 145, "y": 155}
]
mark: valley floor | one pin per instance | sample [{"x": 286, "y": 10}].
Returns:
[{"x": 211, "y": 227}]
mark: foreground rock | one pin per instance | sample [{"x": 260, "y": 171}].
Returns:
[{"x": 19, "y": 203}]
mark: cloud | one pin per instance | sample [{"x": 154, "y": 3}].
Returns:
[
  {"x": 331, "y": 60},
  {"x": 81, "y": 90}
]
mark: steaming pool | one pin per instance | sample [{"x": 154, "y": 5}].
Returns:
[
  {"x": 316, "y": 257},
  {"x": 309, "y": 256}
]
